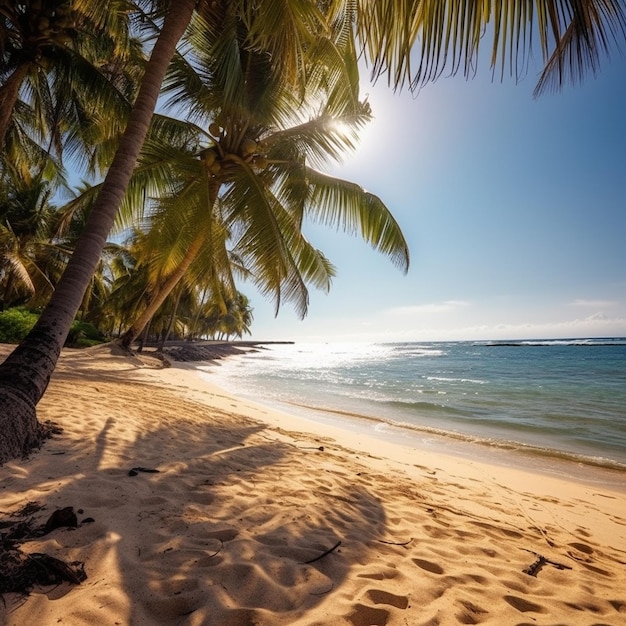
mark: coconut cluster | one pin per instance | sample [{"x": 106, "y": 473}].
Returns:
[
  {"x": 51, "y": 19},
  {"x": 251, "y": 151}
]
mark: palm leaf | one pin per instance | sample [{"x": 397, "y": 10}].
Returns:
[
  {"x": 347, "y": 206},
  {"x": 322, "y": 139},
  {"x": 258, "y": 223},
  {"x": 439, "y": 36},
  {"x": 586, "y": 36},
  {"x": 284, "y": 30}
]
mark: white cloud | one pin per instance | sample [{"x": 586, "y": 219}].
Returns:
[
  {"x": 432, "y": 330},
  {"x": 597, "y": 325},
  {"x": 596, "y": 317}
]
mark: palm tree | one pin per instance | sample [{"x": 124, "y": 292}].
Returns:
[
  {"x": 61, "y": 55},
  {"x": 128, "y": 284},
  {"x": 237, "y": 319},
  {"x": 219, "y": 318},
  {"x": 574, "y": 34},
  {"x": 70, "y": 223},
  {"x": 25, "y": 374},
  {"x": 256, "y": 165},
  {"x": 31, "y": 260}
]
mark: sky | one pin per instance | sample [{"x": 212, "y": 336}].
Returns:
[{"x": 514, "y": 209}]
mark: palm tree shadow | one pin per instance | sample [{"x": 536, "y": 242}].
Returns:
[{"x": 220, "y": 535}]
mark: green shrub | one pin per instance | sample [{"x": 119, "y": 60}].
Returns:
[
  {"x": 83, "y": 335},
  {"x": 87, "y": 343},
  {"x": 15, "y": 324}
]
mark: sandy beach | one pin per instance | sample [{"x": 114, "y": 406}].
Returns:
[{"x": 256, "y": 517}]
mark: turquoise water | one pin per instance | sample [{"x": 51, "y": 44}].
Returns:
[{"x": 559, "y": 398}]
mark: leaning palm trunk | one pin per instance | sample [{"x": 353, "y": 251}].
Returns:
[
  {"x": 160, "y": 294},
  {"x": 25, "y": 374}
]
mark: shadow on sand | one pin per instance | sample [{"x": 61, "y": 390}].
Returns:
[{"x": 217, "y": 536}]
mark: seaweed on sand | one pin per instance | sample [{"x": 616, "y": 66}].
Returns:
[{"x": 21, "y": 571}]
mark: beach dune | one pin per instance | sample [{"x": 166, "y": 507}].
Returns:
[{"x": 255, "y": 517}]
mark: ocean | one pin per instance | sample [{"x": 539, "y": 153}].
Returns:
[{"x": 547, "y": 400}]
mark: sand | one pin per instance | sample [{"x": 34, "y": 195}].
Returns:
[{"x": 258, "y": 517}]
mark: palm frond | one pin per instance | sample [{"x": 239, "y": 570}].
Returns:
[
  {"x": 19, "y": 270},
  {"x": 312, "y": 264},
  {"x": 334, "y": 76},
  {"x": 178, "y": 220},
  {"x": 284, "y": 30},
  {"x": 588, "y": 34},
  {"x": 347, "y": 206},
  {"x": 322, "y": 139},
  {"x": 259, "y": 225},
  {"x": 414, "y": 42}
]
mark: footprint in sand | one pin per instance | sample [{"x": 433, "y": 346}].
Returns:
[
  {"x": 363, "y": 615},
  {"x": 368, "y": 616},
  {"x": 471, "y": 614},
  {"x": 525, "y": 606},
  {"x": 378, "y": 596},
  {"x": 598, "y": 570},
  {"x": 227, "y": 534},
  {"x": 582, "y": 547},
  {"x": 429, "y": 566},
  {"x": 436, "y": 532}
]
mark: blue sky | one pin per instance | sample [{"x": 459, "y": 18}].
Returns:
[{"x": 513, "y": 208}]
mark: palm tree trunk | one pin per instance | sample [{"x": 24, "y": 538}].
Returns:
[
  {"x": 196, "y": 318},
  {"x": 168, "y": 331},
  {"x": 145, "y": 336},
  {"x": 25, "y": 374},
  {"x": 8, "y": 288},
  {"x": 157, "y": 299}
]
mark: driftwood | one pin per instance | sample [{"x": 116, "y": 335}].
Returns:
[
  {"x": 135, "y": 470},
  {"x": 325, "y": 553},
  {"x": 535, "y": 567}
]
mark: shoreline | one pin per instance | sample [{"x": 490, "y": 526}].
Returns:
[
  {"x": 542, "y": 461},
  {"x": 254, "y": 517},
  {"x": 582, "y": 464},
  {"x": 570, "y": 416},
  {"x": 579, "y": 467}
]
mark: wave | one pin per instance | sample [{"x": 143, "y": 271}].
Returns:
[
  {"x": 445, "y": 379},
  {"x": 427, "y": 406},
  {"x": 499, "y": 444},
  {"x": 543, "y": 400},
  {"x": 618, "y": 341},
  {"x": 418, "y": 351}
]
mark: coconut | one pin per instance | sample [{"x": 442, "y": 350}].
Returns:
[
  {"x": 208, "y": 156},
  {"x": 248, "y": 147},
  {"x": 214, "y": 129},
  {"x": 65, "y": 22}
]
